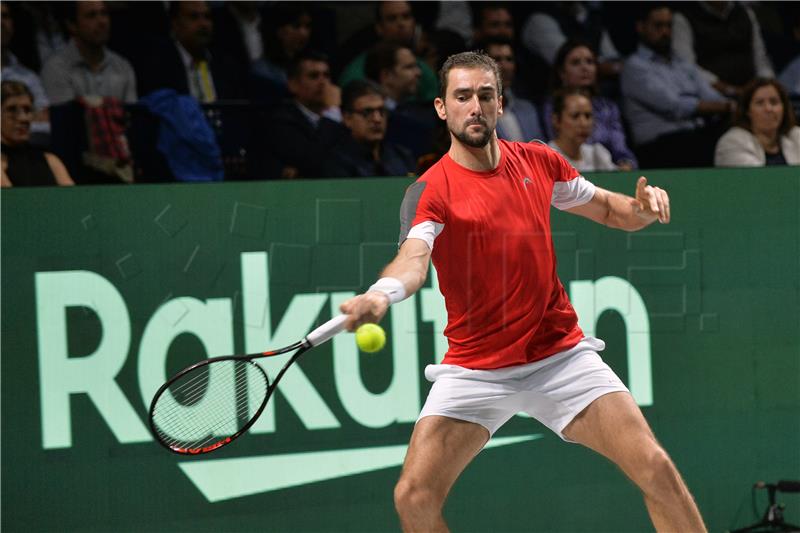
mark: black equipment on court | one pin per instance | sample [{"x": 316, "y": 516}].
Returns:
[{"x": 773, "y": 517}]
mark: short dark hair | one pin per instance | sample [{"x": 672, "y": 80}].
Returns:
[
  {"x": 479, "y": 8},
  {"x": 11, "y": 88},
  {"x": 743, "y": 121},
  {"x": 475, "y": 59},
  {"x": 295, "y": 65},
  {"x": 561, "y": 95},
  {"x": 355, "y": 90},
  {"x": 382, "y": 56},
  {"x": 484, "y": 44}
]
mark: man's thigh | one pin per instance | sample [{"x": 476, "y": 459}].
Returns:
[
  {"x": 613, "y": 425},
  {"x": 440, "y": 449}
]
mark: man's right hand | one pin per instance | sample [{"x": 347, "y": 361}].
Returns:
[{"x": 369, "y": 307}]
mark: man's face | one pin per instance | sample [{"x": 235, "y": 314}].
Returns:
[
  {"x": 396, "y": 22},
  {"x": 367, "y": 120},
  {"x": 495, "y": 22},
  {"x": 295, "y": 35},
  {"x": 656, "y": 30},
  {"x": 192, "y": 25},
  {"x": 504, "y": 57},
  {"x": 471, "y": 105},
  {"x": 403, "y": 79},
  {"x": 310, "y": 85},
  {"x": 92, "y": 25}
]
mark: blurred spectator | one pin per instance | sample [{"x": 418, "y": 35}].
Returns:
[
  {"x": 790, "y": 77},
  {"x": 396, "y": 23},
  {"x": 438, "y": 45},
  {"x": 395, "y": 69},
  {"x": 576, "y": 67},
  {"x": 546, "y": 31},
  {"x": 296, "y": 139},
  {"x": 520, "y": 120},
  {"x": 185, "y": 63},
  {"x": 666, "y": 98},
  {"x": 365, "y": 151},
  {"x": 724, "y": 40},
  {"x": 23, "y": 164},
  {"x": 764, "y": 131},
  {"x": 12, "y": 69},
  {"x": 85, "y": 67},
  {"x": 39, "y": 32},
  {"x": 287, "y": 33},
  {"x": 492, "y": 20},
  {"x": 572, "y": 120}
]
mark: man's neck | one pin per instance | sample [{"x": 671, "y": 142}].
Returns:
[
  {"x": 477, "y": 159},
  {"x": 93, "y": 55}
]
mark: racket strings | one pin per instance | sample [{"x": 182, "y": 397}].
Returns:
[
  {"x": 210, "y": 403},
  {"x": 198, "y": 391}
]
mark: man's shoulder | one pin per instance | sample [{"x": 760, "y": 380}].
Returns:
[{"x": 118, "y": 60}]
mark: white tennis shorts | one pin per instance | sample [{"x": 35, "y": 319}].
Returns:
[{"x": 553, "y": 391}]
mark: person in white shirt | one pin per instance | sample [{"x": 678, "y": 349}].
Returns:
[
  {"x": 764, "y": 132},
  {"x": 572, "y": 121}
]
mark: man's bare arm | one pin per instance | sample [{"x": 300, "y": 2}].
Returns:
[
  {"x": 409, "y": 267},
  {"x": 624, "y": 212}
]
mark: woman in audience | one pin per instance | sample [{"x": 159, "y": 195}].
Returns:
[
  {"x": 576, "y": 67},
  {"x": 573, "y": 122},
  {"x": 764, "y": 131},
  {"x": 23, "y": 164}
]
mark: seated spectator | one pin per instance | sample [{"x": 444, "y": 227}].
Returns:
[
  {"x": 23, "y": 164},
  {"x": 185, "y": 63},
  {"x": 572, "y": 120},
  {"x": 395, "y": 23},
  {"x": 365, "y": 151},
  {"x": 666, "y": 100},
  {"x": 286, "y": 34},
  {"x": 395, "y": 69},
  {"x": 520, "y": 120},
  {"x": 491, "y": 20},
  {"x": 576, "y": 67},
  {"x": 85, "y": 67},
  {"x": 723, "y": 39},
  {"x": 297, "y": 138},
  {"x": 12, "y": 69},
  {"x": 764, "y": 133}
]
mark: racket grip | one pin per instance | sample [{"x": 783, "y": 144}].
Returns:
[{"x": 326, "y": 330}]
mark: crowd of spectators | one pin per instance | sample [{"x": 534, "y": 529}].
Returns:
[{"x": 124, "y": 92}]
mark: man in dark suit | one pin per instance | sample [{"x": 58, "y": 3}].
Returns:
[
  {"x": 185, "y": 64},
  {"x": 297, "y": 137},
  {"x": 365, "y": 152}
]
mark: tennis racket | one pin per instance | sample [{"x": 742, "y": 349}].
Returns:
[{"x": 209, "y": 404}]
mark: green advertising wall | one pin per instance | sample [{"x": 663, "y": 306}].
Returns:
[{"x": 107, "y": 290}]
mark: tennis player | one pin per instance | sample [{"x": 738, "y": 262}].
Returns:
[{"x": 482, "y": 214}]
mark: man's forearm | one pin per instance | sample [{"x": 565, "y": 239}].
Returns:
[
  {"x": 625, "y": 213},
  {"x": 411, "y": 268}
]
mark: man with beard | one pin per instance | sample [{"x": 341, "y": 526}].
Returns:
[
  {"x": 667, "y": 102},
  {"x": 514, "y": 340}
]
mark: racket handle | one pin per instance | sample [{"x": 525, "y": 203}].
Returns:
[{"x": 326, "y": 330}]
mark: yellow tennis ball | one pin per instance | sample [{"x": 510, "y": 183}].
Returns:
[{"x": 370, "y": 338}]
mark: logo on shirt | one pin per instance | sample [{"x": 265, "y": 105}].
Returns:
[{"x": 526, "y": 180}]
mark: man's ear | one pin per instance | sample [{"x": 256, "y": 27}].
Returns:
[
  {"x": 499, "y": 105},
  {"x": 438, "y": 103}
]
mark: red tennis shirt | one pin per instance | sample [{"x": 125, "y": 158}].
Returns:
[{"x": 494, "y": 256}]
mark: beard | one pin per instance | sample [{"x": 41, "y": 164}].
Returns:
[{"x": 478, "y": 140}]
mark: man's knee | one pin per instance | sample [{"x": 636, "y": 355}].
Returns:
[
  {"x": 414, "y": 497},
  {"x": 658, "y": 477}
]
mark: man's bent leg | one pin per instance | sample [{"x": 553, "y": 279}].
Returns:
[
  {"x": 439, "y": 451},
  {"x": 614, "y": 426}
]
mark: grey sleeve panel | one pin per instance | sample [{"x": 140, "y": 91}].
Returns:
[{"x": 408, "y": 209}]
